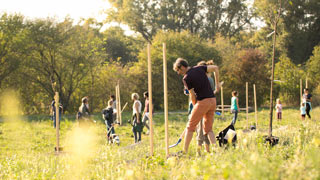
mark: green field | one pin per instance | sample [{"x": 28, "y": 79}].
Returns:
[{"x": 27, "y": 150}]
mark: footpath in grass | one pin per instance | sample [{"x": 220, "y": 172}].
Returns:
[{"x": 27, "y": 150}]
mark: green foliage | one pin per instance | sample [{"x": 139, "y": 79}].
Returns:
[
  {"x": 12, "y": 44},
  {"x": 313, "y": 66},
  {"x": 205, "y": 17},
  {"x": 120, "y": 47},
  {"x": 41, "y": 56},
  {"x": 313, "y": 73},
  {"x": 60, "y": 57},
  {"x": 300, "y": 21},
  {"x": 241, "y": 66},
  {"x": 185, "y": 45},
  {"x": 289, "y": 76}
]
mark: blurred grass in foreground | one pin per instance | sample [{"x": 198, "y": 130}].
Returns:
[{"x": 27, "y": 150}]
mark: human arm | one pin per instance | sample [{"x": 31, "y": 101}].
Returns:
[
  {"x": 192, "y": 95},
  {"x": 310, "y": 98},
  {"x": 215, "y": 69},
  {"x": 136, "y": 106},
  {"x": 237, "y": 100}
]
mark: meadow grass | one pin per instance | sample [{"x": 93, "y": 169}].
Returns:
[{"x": 27, "y": 150}]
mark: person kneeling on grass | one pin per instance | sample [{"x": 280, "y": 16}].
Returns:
[{"x": 107, "y": 115}]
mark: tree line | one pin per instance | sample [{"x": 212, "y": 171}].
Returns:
[{"x": 41, "y": 56}]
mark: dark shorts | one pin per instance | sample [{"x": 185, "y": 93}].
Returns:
[{"x": 303, "y": 115}]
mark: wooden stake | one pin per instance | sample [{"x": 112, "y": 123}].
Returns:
[
  {"x": 247, "y": 110},
  {"x": 222, "y": 102},
  {"x": 165, "y": 91},
  {"x": 125, "y": 105},
  {"x": 57, "y": 121},
  {"x": 120, "y": 112},
  {"x": 150, "y": 100},
  {"x": 306, "y": 82},
  {"x": 255, "y": 105},
  {"x": 300, "y": 91},
  {"x": 117, "y": 104}
]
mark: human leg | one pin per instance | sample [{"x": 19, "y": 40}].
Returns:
[
  {"x": 308, "y": 110},
  {"x": 208, "y": 121},
  {"x": 234, "y": 119},
  {"x": 54, "y": 120},
  {"x": 207, "y": 146},
  {"x": 197, "y": 113},
  {"x": 187, "y": 140},
  {"x": 144, "y": 121},
  {"x": 135, "y": 135},
  {"x": 139, "y": 136}
]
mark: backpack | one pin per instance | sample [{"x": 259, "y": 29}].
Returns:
[
  {"x": 222, "y": 136},
  {"x": 107, "y": 114}
]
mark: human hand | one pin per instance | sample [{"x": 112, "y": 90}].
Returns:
[{"x": 186, "y": 92}]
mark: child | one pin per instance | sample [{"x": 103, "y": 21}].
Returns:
[
  {"x": 279, "y": 109},
  {"x": 234, "y": 106},
  {"x": 107, "y": 115},
  {"x": 303, "y": 111}
]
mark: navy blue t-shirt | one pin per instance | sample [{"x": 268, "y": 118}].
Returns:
[{"x": 197, "y": 79}]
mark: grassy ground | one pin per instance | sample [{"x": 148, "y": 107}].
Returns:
[{"x": 27, "y": 150}]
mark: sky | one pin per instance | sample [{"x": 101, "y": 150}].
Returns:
[{"x": 76, "y": 9}]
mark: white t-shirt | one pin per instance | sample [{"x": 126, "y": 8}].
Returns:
[
  {"x": 279, "y": 108},
  {"x": 139, "y": 107}
]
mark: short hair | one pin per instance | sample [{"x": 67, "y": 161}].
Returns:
[
  {"x": 202, "y": 63},
  {"x": 112, "y": 97},
  {"x": 234, "y": 93},
  {"x": 84, "y": 99},
  {"x": 210, "y": 62},
  {"x": 110, "y": 102},
  {"x": 306, "y": 89},
  {"x": 146, "y": 94},
  {"x": 180, "y": 62},
  {"x": 135, "y": 96}
]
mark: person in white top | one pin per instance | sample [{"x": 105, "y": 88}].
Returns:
[
  {"x": 137, "y": 125},
  {"x": 279, "y": 109},
  {"x": 114, "y": 107}
]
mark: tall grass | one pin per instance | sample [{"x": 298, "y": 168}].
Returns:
[{"x": 27, "y": 151}]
